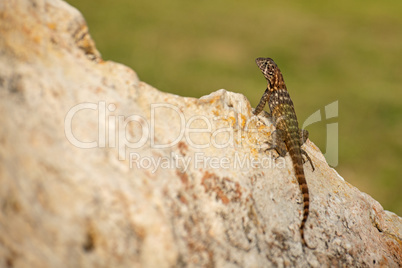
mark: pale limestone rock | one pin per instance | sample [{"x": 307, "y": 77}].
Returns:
[{"x": 214, "y": 198}]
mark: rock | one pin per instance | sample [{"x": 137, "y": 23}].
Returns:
[{"x": 99, "y": 169}]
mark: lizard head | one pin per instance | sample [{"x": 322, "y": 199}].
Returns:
[{"x": 270, "y": 71}]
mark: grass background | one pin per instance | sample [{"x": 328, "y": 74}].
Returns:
[{"x": 350, "y": 51}]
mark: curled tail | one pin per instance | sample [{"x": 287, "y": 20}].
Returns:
[
  {"x": 306, "y": 203},
  {"x": 301, "y": 179}
]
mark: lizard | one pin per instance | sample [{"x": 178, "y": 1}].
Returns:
[{"x": 287, "y": 137}]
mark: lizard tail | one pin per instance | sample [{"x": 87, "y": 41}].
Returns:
[
  {"x": 301, "y": 179},
  {"x": 306, "y": 200}
]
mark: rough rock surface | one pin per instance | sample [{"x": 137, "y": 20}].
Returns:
[{"x": 99, "y": 169}]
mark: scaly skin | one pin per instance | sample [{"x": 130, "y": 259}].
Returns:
[{"x": 287, "y": 137}]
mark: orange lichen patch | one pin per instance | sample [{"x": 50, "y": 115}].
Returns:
[
  {"x": 99, "y": 90},
  {"x": 210, "y": 100},
  {"x": 183, "y": 199},
  {"x": 243, "y": 120},
  {"x": 37, "y": 39},
  {"x": 206, "y": 178},
  {"x": 224, "y": 188},
  {"x": 254, "y": 152},
  {"x": 383, "y": 262},
  {"x": 183, "y": 148},
  {"x": 209, "y": 182},
  {"x": 231, "y": 120},
  {"x": 238, "y": 190},
  {"x": 223, "y": 197},
  {"x": 263, "y": 128},
  {"x": 215, "y": 98},
  {"x": 51, "y": 26},
  {"x": 314, "y": 147},
  {"x": 395, "y": 248},
  {"x": 183, "y": 177}
]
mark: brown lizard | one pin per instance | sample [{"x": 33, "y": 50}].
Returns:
[{"x": 287, "y": 137}]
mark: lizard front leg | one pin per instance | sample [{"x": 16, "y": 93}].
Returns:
[{"x": 262, "y": 102}]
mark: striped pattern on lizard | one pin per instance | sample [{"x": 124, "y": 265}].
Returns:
[{"x": 287, "y": 137}]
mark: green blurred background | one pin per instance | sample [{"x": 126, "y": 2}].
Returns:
[{"x": 346, "y": 51}]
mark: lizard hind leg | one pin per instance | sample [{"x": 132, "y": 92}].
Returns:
[
  {"x": 303, "y": 134},
  {"x": 278, "y": 142},
  {"x": 308, "y": 158}
]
